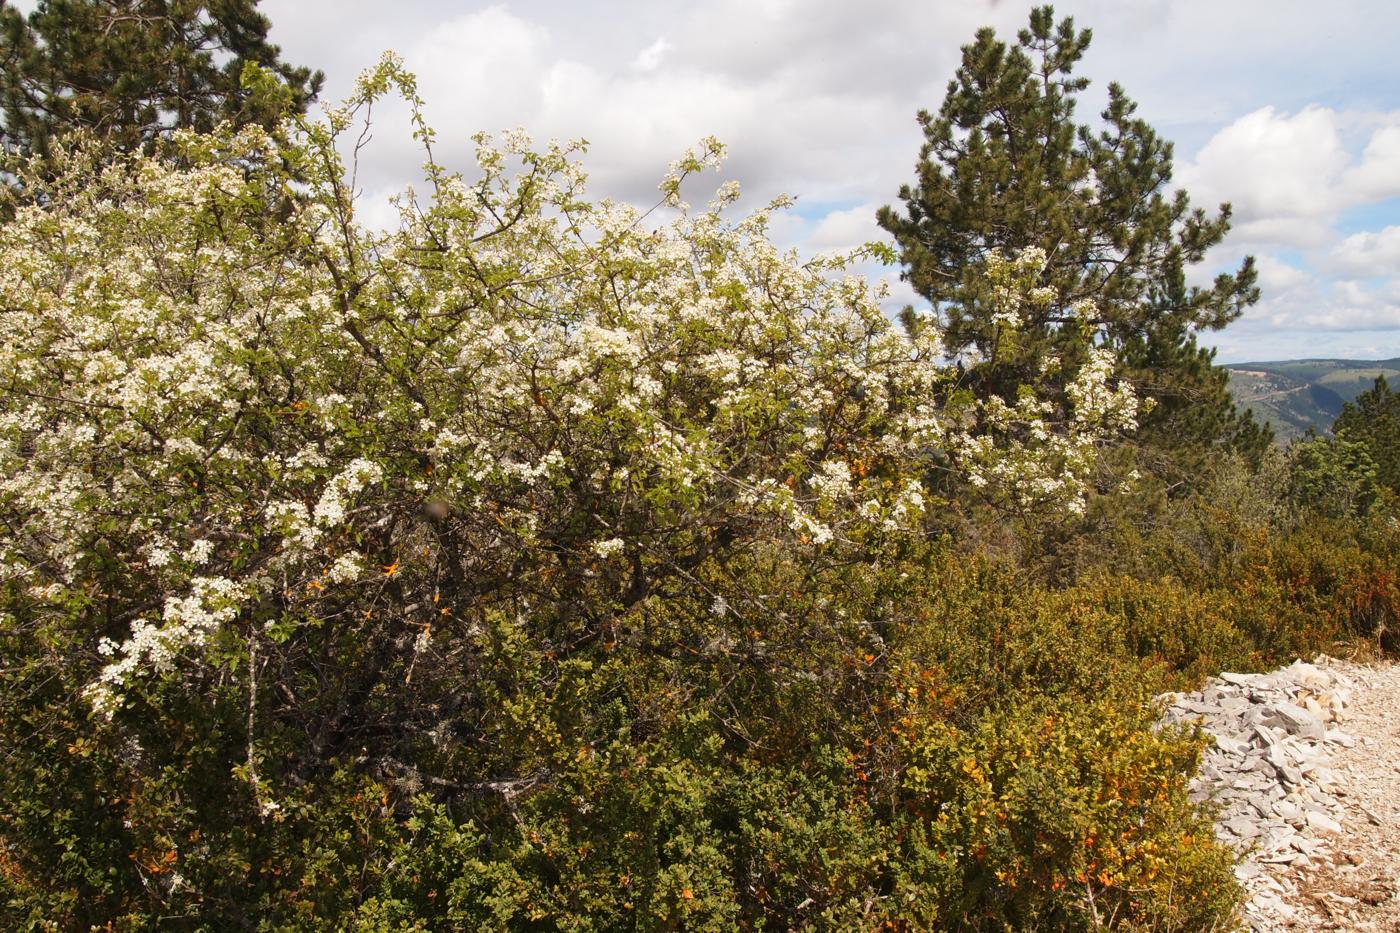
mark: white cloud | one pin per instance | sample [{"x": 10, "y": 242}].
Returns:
[
  {"x": 1245, "y": 343},
  {"x": 1320, "y": 304},
  {"x": 846, "y": 229},
  {"x": 637, "y": 125},
  {"x": 817, "y": 98},
  {"x": 650, "y": 57},
  {"x": 496, "y": 67},
  {"x": 1377, "y": 177},
  {"x": 1369, "y": 253},
  {"x": 1289, "y": 177},
  {"x": 1276, "y": 276},
  {"x": 481, "y": 70},
  {"x": 1280, "y": 172}
]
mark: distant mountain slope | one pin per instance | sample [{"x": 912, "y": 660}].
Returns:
[{"x": 1296, "y": 395}]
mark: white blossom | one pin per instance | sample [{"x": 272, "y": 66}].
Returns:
[
  {"x": 346, "y": 568},
  {"x": 235, "y": 417},
  {"x": 609, "y": 548}
]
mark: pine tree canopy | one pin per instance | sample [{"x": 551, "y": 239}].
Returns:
[
  {"x": 134, "y": 70},
  {"x": 1374, "y": 419},
  {"x": 1005, "y": 168}
]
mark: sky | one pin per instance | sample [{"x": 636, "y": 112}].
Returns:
[{"x": 1288, "y": 109}]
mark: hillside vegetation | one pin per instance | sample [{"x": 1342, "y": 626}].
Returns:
[{"x": 1298, "y": 396}]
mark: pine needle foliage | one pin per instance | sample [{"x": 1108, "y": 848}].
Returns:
[
  {"x": 1374, "y": 419},
  {"x": 1005, "y": 166},
  {"x": 133, "y": 71}
]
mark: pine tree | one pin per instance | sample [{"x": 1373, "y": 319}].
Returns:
[
  {"x": 1374, "y": 420},
  {"x": 1194, "y": 414},
  {"x": 1005, "y": 167},
  {"x": 134, "y": 70}
]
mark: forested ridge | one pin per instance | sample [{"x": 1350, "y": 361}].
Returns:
[{"x": 549, "y": 563}]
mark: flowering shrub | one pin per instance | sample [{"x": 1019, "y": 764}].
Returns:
[
  {"x": 234, "y": 423},
  {"x": 329, "y": 527}
]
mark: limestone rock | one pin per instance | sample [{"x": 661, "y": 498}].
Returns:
[{"x": 1269, "y": 773}]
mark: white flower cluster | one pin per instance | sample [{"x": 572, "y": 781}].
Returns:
[
  {"x": 609, "y": 548},
  {"x": 186, "y": 623},
  {"x": 1014, "y": 285},
  {"x": 347, "y": 567},
  {"x": 330, "y": 510},
  {"x": 1028, "y": 457},
  {"x": 237, "y": 409},
  {"x": 1097, "y": 401}
]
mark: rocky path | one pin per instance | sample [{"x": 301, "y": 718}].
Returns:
[
  {"x": 1306, "y": 775},
  {"x": 1358, "y": 888}
]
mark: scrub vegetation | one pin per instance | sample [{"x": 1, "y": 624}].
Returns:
[{"x": 546, "y": 563}]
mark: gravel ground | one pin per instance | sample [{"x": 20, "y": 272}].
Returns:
[
  {"x": 1305, "y": 778},
  {"x": 1357, "y": 886}
]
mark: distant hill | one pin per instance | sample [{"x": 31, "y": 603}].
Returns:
[{"x": 1295, "y": 395}]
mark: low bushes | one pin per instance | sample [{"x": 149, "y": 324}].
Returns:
[
  {"x": 926, "y": 745},
  {"x": 937, "y": 742}
]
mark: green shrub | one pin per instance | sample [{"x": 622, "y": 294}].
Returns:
[
  {"x": 1057, "y": 813},
  {"x": 1334, "y": 476}
]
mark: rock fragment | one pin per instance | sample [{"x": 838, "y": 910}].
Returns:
[{"x": 1268, "y": 773}]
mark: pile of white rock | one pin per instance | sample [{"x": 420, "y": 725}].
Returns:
[{"x": 1268, "y": 772}]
